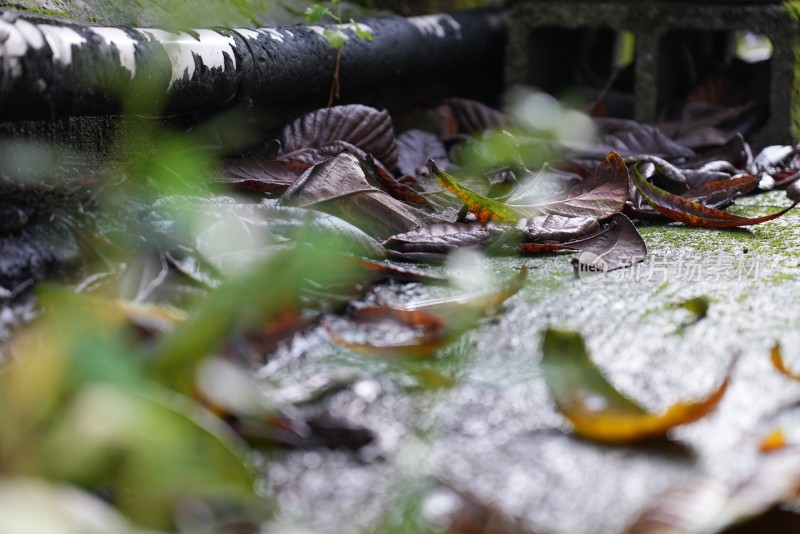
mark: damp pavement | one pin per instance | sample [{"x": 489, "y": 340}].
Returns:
[{"x": 495, "y": 434}]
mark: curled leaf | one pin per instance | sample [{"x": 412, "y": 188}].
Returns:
[
  {"x": 367, "y": 128},
  {"x": 595, "y": 408},
  {"x": 691, "y": 213}
]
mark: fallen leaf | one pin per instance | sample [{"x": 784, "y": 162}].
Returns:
[
  {"x": 691, "y": 213},
  {"x": 708, "y": 505},
  {"x": 776, "y": 355},
  {"x": 378, "y": 177},
  {"x": 774, "y": 441},
  {"x": 298, "y": 433},
  {"x": 367, "y": 128},
  {"x": 619, "y": 245},
  {"x": 720, "y": 193},
  {"x": 630, "y": 138},
  {"x": 547, "y": 228},
  {"x": 260, "y": 176},
  {"x": 390, "y": 332},
  {"x": 600, "y": 196},
  {"x": 339, "y": 185},
  {"x": 443, "y": 238},
  {"x": 317, "y": 154},
  {"x": 472, "y": 116},
  {"x": 415, "y": 148},
  {"x": 595, "y": 408},
  {"x": 793, "y": 191},
  {"x": 697, "y": 305},
  {"x": 485, "y": 209},
  {"x": 483, "y": 302}
]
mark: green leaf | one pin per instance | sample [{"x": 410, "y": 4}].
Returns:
[
  {"x": 361, "y": 31},
  {"x": 336, "y": 38},
  {"x": 485, "y": 209},
  {"x": 316, "y": 13},
  {"x": 154, "y": 450}
]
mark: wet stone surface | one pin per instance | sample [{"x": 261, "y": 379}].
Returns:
[{"x": 497, "y": 435}]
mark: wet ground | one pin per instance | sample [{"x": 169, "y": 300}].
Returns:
[{"x": 495, "y": 433}]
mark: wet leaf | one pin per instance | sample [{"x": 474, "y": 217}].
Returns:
[
  {"x": 485, "y": 209},
  {"x": 367, "y": 128},
  {"x": 443, "y": 238},
  {"x": 294, "y": 431},
  {"x": 774, "y": 441},
  {"x": 548, "y": 228},
  {"x": 483, "y": 303},
  {"x": 720, "y": 193},
  {"x": 602, "y": 195},
  {"x": 776, "y": 355},
  {"x": 390, "y": 332},
  {"x": 260, "y": 176},
  {"x": 378, "y": 177},
  {"x": 772, "y": 158},
  {"x": 707, "y": 505},
  {"x": 691, "y": 213},
  {"x": 312, "y": 155},
  {"x": 595, "y": 408},
  {"x": 339, "y": 185},
  {"x": 630, "y": 138},
  {"x": 415, "y": 148},
  {"x": 380, "y": 272},
  {"x": 618, "y": 245},
  {"x": 472, "y": 116}
]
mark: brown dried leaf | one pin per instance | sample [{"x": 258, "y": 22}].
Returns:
[{"x": 365, "y": 127}]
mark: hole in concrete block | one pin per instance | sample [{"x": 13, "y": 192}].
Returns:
[
  {"x": 584, "y": 63},
  {"x": 752, "y": 47},
  {"x": 717, "y": 78}
]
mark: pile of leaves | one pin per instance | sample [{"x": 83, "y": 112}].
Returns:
[{"x": 136, "y": 382}]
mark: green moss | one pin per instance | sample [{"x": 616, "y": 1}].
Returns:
[{"x": 45, "y": 11}]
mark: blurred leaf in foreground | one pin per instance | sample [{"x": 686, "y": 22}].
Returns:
[
  {"x": 707, "y": 505},
  {"x": 31, "y": 505},
  {"x": 595, "y": 408},
  {"x": 78, "y": 407}
]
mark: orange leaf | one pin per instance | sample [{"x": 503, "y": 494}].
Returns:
[{"x": 595, "y": 408}]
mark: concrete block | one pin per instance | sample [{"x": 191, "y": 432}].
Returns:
[{"x": 661, "y": 29}]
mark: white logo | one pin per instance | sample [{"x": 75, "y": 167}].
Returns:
[{"x": 589, "y": 267}]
